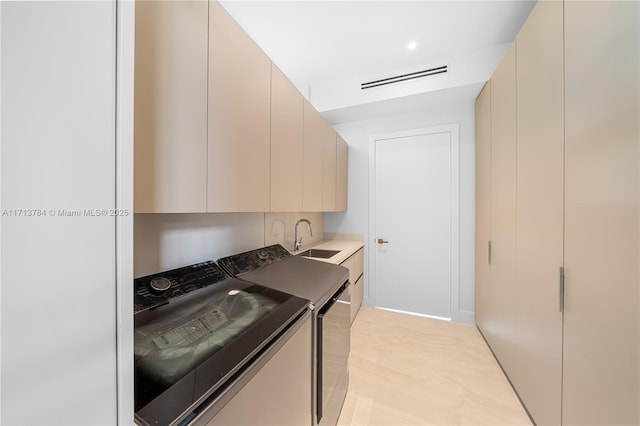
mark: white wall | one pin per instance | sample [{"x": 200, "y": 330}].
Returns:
[{"x": 356, "y": 219}]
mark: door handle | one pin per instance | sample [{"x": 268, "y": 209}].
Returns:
[
  {"x": 561, "y": 299},
  {"x": 381, "y": 241}
]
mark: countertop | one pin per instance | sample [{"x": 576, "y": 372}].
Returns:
[
  {"x": 302, "y": 277},
  {"x": 346, "y": 247},
  {"x": 292, "y": 275}
]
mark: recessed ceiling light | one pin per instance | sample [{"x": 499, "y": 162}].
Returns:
[{"x": 412, "y": 45}]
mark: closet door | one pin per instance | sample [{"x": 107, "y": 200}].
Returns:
[
  {"x": 498, "y": 325},
  {"x": 540, "y": 167},
  {"x": 483, "y": 204},
  {"x": 601, "y": 322}
]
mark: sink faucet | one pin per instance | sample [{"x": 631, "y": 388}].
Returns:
[{"x": 297, "y": 243}]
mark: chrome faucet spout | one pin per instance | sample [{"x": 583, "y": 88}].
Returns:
[{"x": 298, "y": 242}]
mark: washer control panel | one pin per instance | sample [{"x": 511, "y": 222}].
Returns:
[
  {"x": 248, "y": 261},
  {"x": 157, "y": 289}
]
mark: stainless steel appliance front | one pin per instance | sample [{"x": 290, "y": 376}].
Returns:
[{"x": 334, "y": 343}]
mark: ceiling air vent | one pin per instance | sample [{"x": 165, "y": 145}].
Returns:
[{"x": 404, "y": 77}]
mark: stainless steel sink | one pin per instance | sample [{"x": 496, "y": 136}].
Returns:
[{"x": 318, "y": 253}]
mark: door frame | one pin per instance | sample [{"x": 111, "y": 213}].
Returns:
[{"x": 454, "y": 131}]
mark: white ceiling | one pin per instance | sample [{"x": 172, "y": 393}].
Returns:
[{"x": 321, "y": 45}]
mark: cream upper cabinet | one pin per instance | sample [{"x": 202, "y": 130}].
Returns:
[
  {"x": 312, "y": 179},
  {"x": 170, "y": 171},
  {"x": 218, "y": 127},
  {"x": 320, "y": 162},
  {"x": 540, "y": 216},
  {"x": 287, "y": 155},
  {"x": 329, "y": 168},
  {"x": 308, "y": 161},
  {"x": 342, "y": 153},
  {"x": 602, "y": 168},
  {"x": 239, "y": 118}
]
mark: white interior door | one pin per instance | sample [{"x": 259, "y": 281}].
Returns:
[{"x": 415, "y": 236}]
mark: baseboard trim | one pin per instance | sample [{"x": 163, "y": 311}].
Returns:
[
  {"x": 468, "y": 317},
  {"x": 413, "y": 313}
]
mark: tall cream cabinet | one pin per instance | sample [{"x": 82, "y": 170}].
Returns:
[
  {"x": 287, "y": 147},
  {"x": 537, "y": 372},
  {"x": 498, "y": 323},
  {"x": 218, "y": 127},
  {"x": 170, "y": 107},
  {"x": 239, "y": 118},
  {"x": 566, "y": 327},
  {"x": 601, "y": 323},
  {"x": 483, "y": 298}
]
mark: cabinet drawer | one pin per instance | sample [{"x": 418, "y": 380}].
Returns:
[
  {"x": 358, "y": 262},
  {"x": 357, "y": 292},
  {"x": 349, "y": 264}
]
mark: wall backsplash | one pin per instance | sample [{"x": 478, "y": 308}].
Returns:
[
  {"x": 279, "y": 228},
  {"x": 167, "y": 241}
]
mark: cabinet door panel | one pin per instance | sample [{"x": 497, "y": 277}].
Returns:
[
  {"x": 170, "y": 172},
  {"x": 342, "y": 174},
  {"x": 498, "y": 325},
  {"x": 601, "y": 323},
  {"x": 356, "y": 297},
  {"x": 349, "y": 264},
  {"x": 358, "y": 262},
  {"x": 313, "y": 160},
  {"x": 540, "y": 182},
  {"x": 239, "y": 118},
  {"x": 287, "y": 156},
  {"x": 329, "y": 168},
  {"x": 483, "y": 207}
]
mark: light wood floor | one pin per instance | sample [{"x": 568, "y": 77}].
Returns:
[{"x": 409, "y": 370}]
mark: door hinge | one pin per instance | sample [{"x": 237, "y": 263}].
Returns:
[
  {"x": 489, "y": 253},
  {"x": 561, "y": 298}
]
